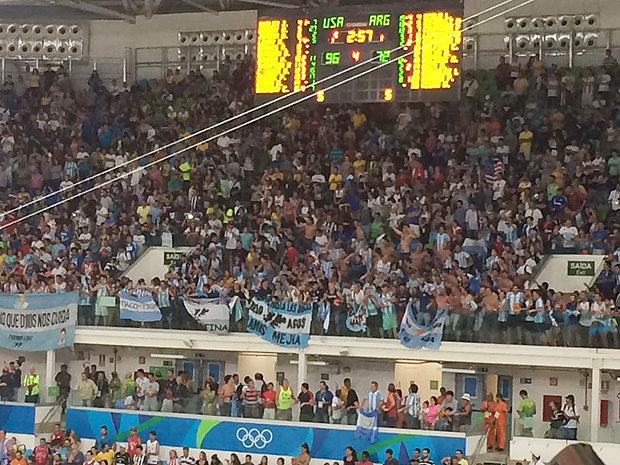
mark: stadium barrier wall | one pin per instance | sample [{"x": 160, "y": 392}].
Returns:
[
  {"x": 18, "y": 420},
  {"x": 258, "y": 437}
]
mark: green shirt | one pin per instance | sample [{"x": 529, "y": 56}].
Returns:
[
  {"x": 526, "y": 407},
  {"x": 129, "y": 387},
  {"x": 31, "y": 382},
  {"x": 614, "y": 165},
  {"x": 552, "y": 189}
]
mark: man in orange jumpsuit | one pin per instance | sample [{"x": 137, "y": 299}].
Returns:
[
  {"x": 501, "y": 410},
  {"x": 488, "y": 407}
]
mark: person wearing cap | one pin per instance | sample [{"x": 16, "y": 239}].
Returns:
[
  {"x": 462, "y": 416},
  {"x": 122, "y": 457},
  {"x": 133, "y": 442}
]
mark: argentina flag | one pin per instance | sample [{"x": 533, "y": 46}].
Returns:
[
  {"x": 367, "y": 425},
  {"x": 139, "y": 308}
]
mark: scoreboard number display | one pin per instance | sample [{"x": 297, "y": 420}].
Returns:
[{"x": 296, "y": 50}]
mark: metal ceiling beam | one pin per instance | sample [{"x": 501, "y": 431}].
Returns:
[
  {"x": 272, "y": 3},
  {"x": 100, "y": 10},
  {"x": 201, "y": 7}
]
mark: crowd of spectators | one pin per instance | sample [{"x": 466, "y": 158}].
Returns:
[
  {"x": 253, "y": 397},
  {"x": 64, "y": 447},
  {"x": 447, "y": 205}
]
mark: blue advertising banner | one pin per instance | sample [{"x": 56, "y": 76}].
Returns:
[
  {"x": 285, "y": 324},
  {"x": 17, "y": 418},
  {"x": 415, "y": 336},
  {"x": 240, "y": 435},
  {"x": 33, "y": 322},
  {"x": 139, "y": 307}
]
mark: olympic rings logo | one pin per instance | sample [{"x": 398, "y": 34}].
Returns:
[{"x": 254, "y": 437}]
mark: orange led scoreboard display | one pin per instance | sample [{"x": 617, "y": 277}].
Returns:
[{"x": 295, "y": 52}]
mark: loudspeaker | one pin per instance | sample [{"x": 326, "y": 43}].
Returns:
[{"x": 577, "y": 454}]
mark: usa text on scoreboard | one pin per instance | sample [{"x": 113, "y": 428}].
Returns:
[{"x": 296, "y": 51}]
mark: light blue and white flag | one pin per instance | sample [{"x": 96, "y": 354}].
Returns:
[
  {"x": 139, "y": 308},
  {"x": 286, "y": 324},
  {"x": 367, "y": 425},
  {"x": 325, "y": 311},
  {"x": 33, "y": 322},
  {"x": 356, "y": 318},
  {"x": 416, "y": 336}
]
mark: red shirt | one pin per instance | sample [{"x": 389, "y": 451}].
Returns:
[
  {"x": 392, "y": 401},
  {"x": 40, "y": 455},
  {"x": 269, "y": 398},
  {"x": 132, "y": 445}
]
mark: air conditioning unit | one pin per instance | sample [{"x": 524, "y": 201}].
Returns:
[
  {"x": 469, "y": 44},
  {"x": 182, "y": 53},
  {"x": 12, "y": 30},
  {"x": 227, "y": 37},
  {"x": 25, "y": 31},
  {"x": 37, "y": 49},
  {"x": 38, "y": 31},
  {"x": 76, "y": 49},
  {"x": 75, "y": 30},
  {"x": 564, "y": 23},
  {"x": 2, "y": 50},
  {"x": 250, "y": 36},
  {"x": 194, "y": 38},
  {"x": 24, "y": 49},
  {"x": 590, "y": 39},
  {"x": 579, "y": 21},
  {"x": 184, "y": 38},
  {"x": 12, "y": 49},
  {"x": 62, "y": 31},
  {"x": 217, "y": 38},
  {"x": 239, "y": 37},
  {"x": 591, "y": 22},
  {"x": 523, "y": 24},
  {"x": 3, "y": 30},
  {"x": 50, "y": 30},
  {"x": 523, "y": 42},
  {"x": 63, "y": 50},
  {"x": 538, "y": 23},
  {"x": 551, "y": 23},
  {"x": 510, "y": 24},
  {"x": 49, "y": 49}
]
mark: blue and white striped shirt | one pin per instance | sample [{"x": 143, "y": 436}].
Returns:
[{"x": 373, "y": 400}]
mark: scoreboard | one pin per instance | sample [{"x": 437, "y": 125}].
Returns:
[{"x": 297, "y": 50}]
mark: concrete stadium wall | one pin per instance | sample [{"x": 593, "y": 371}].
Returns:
[{"x": 110, "y": 38}]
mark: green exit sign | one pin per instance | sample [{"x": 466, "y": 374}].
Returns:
[{"x": 581, "y": 268}]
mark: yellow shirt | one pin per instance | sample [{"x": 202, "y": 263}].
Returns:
[
  {"x": 335, "y": 179},
  {"x": 107, "y": 456},
  {"x": 359, "y": 166},
  {"x": 358, "y": 119},
  {"x": 537, "y": 67},
  {"x": 143, "y": 213},
  {"x": 525, "y": 141},
  {"x": 293, "y": 125}
]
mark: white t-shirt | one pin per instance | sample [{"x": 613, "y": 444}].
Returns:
[
  {"x": 151, "y": 448},
  {"x": 571, "y": 412},
  {"x": 336, "y": 412}
]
